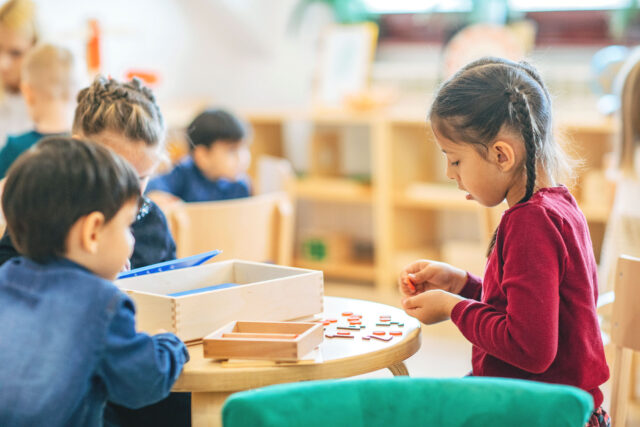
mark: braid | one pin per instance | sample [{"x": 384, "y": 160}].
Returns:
[
  {"x": 128, "y": 109},
  {"x": 520, "y": 109}
]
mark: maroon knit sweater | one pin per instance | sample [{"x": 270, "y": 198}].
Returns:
[{"x": 533, "y": 316}]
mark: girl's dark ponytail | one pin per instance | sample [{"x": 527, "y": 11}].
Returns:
[
  {"x": 522, "y": 114},
  {"x": 520, "y": 108}
]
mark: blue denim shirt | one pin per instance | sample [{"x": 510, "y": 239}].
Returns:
[
  {"x": 187, "y": 182},
  {"x": 68, "y": 343}
]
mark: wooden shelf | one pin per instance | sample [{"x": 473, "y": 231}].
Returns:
[
  {"x": 354, "y": 270},
  {"x": 333, "y": 190},
  {"x": 434, "y": 196},
  {"x": 410, "y": 194},
  {"x": 404, "y": 257},
  {"x": 596, "y": 213}
]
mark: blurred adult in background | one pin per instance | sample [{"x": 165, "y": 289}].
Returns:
[{"x": 18, "y": 34}]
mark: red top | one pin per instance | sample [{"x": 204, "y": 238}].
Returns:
[{"x": 534, "y": 315}]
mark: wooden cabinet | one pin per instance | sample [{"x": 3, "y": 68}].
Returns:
[{"x": 405, "y": 206}]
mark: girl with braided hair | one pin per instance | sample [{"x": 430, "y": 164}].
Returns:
[{"x": 533, "y": 315}]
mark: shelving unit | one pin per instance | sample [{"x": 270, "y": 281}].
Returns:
[{"x": 416, "y": 211}]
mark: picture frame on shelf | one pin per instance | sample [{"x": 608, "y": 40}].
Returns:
[{"x": 345, "y": 59}]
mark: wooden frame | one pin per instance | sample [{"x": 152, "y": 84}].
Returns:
[
  {"x": 258, "y": 228},
  {"x": 265, "y": 292},
  {"x": 345, "y": 62},
  {"x": 281, "y": 341},
  {"x": 624, "y": 334}
]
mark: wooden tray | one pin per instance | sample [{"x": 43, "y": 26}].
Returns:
[
  {"x": 282, "y": 341},
  {"x": 194, "y": 301}
]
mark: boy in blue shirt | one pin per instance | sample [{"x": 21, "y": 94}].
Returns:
[
  {"x": 69, "y": 339},
  {"x": 49, "y": 84},
  {"x": 217, "y": 164}
]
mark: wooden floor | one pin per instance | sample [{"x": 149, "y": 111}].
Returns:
[{"x": 444, "y": 352}]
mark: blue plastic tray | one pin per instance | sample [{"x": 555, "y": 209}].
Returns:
[{"x": 176, "y": 264}]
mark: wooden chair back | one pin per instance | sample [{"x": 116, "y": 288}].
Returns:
[
  {"x": 258, "y": 228},
  {"x": 625, "y": 324}
]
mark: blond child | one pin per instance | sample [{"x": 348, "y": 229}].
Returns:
[
  {"x": 18, "y": 34},
  {"x": 533, "y": 315},
  {"x": 69, "y": 339},
  {"x": 50, "y": 80}
]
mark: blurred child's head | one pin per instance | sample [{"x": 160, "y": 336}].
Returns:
[
  {"x": 50, "y": 79},
  {"x": 493, "y": 121},
  {"x": 17, "y": 35},
  {"x": 218, "y": 144},
  {"x": 124, "y": 117},
  {"x": 70, "y": 198}
]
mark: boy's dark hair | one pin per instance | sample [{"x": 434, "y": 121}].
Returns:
[
  {"x": 215, "y": 125},
  {"x": 57, "y": 182}
]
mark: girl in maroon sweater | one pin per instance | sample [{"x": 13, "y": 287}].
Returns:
[{"x": 533, "y": 316}]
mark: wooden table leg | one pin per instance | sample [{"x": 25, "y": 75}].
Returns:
[
  {"x": 399, "y": 369},
  {"x": 206, "y": 409}
]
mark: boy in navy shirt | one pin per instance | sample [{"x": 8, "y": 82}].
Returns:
[
  {"x": 69, "y": 340},
  {"x": 217, "y": 164}
]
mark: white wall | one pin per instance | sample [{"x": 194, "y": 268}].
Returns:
[{"x": 234, "y": 52}]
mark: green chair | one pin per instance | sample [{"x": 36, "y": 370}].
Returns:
[{"x": 410, "y": 402}]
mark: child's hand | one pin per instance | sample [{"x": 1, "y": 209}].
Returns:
[
  {"x": 431, "y": 306},
  {"x": 424, "y": 275}
]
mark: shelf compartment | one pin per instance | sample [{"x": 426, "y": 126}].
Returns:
[
  {"x": 351, "y": 270},
  {"x": 434, "y": 196},
  {"x": 596, "y": 213},
  {"x": 333, "y": 190}
]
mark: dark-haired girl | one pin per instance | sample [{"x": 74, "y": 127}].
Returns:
[{"x": 533, "y": 315}]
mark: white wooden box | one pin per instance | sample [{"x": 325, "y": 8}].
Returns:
[{"x": 266, "y": 292}]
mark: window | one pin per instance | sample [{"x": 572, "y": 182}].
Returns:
[
  {"x": 421, "y": 6},
  {"x": 558, "y": 22}
]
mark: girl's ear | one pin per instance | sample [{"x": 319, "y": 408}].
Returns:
[
  {"x": 90, "y": 231},
  {"x": 503, "y": 154}
]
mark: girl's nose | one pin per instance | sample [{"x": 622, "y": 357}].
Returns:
[{"x": 449, "y": 172}]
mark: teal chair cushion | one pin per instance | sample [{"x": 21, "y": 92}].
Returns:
[{"x": 410, "y": 402}]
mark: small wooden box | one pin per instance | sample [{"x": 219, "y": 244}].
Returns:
[
  {"x": 285, "y": 341},
  {"x": 263, "y": 292}
]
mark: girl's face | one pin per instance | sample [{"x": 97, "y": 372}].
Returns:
[
  {"x": 13, "y": 47},
  {"x": 487, "y": 180},
  {"x": 142, "y": 157}
]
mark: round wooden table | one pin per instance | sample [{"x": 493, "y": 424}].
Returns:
[{"x": 211, "y": 382}]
